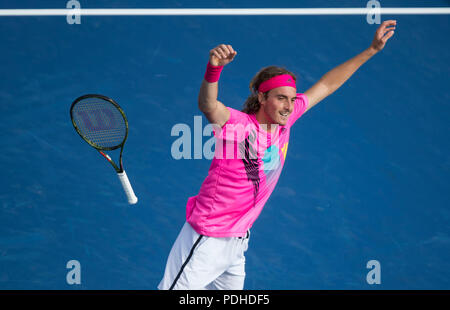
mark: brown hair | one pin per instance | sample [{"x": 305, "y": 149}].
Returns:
[{"x": 252, "y": 104}]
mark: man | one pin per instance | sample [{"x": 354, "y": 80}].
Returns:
[{"x": 251, "y": 148}]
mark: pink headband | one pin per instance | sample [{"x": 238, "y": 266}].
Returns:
[{"x": 277, "y": 81}]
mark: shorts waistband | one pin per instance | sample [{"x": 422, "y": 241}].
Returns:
[{"x": 246, "y": 236}]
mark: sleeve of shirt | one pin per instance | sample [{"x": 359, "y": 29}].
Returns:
[
  {"x": 236, "y": 117},
  {"x": 235, "y": 128},
  {"x": 300, "y": 106}
]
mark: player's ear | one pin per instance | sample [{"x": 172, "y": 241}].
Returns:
[{"x": 260, "y": 97}]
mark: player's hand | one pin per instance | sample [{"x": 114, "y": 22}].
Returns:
[
  {"x": 383, "y": 33},
  {"x": 221, "y": 55}
]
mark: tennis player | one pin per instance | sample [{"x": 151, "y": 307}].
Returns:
[{"x": 250, "y": 152}]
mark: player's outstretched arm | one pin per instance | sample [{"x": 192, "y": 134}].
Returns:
[
  {"x": 334, "y": 79},
  {"x": 213, "y": 109}
]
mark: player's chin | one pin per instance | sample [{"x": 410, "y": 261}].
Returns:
[{"x": 282, "y": 120}]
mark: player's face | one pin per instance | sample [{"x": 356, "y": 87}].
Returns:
[{"x": 279, "y": 104}]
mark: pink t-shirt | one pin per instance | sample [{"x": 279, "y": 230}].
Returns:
[{"x": 244, "y": 171}]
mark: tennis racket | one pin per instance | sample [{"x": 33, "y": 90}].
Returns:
[{"x": 101, "y": 122}]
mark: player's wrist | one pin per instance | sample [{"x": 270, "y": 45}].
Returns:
[
  {"x": 212, "y": 73},
  {"x": 372, "y": 50}
]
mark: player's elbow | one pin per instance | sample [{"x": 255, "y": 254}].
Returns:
[{"x": 206, "y": 106}]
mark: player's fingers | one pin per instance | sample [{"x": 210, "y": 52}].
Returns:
[
  {"x": 215, "y": 53},
  {"x": 218, "y": 55},
  {"x": 212, "y": 52},
  {"x": 385, "y": 31},
  {"x": 385, "y": 25},
  {"x": 233, "y": 53},
  {"x": 230, "y": 48},
  {"x": 224, "y": 49},
  {"x": 390, "y": 22},
  {"x": 389, "y": 28},
  {"x": 387, "y": 37},
  {"x": 221, "y": 52}
]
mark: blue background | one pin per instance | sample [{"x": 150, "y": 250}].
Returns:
[{"x": 366, "y": 174}]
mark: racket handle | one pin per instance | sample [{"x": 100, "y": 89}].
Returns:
[{"x": 132, "y": 199}]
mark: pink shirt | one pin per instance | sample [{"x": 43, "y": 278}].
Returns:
[{"x": 244, "y": 171}]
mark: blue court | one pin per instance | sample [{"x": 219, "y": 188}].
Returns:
[{"x": 367, "y": 173}]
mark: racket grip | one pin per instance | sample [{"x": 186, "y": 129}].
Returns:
[{"x": 132, "y": 199}]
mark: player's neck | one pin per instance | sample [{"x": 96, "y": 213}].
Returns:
[{"x": 265, "y": 121}]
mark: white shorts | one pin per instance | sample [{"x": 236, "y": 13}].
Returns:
[{"x": 199, "y": 262}]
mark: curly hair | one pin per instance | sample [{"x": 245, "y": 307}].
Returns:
[{"x": 252, "y": 105}]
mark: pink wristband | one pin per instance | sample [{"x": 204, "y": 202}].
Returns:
[{"x": 212, "y": 74}]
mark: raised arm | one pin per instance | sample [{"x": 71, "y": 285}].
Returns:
[
  {"x": 334, "y": 79},
  {"x": 214, "y": 110}
]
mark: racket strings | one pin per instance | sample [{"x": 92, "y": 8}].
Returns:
[{"x": 100, "y": 122}]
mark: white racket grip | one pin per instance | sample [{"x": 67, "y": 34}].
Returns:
[{"x": 132, "y": 199}]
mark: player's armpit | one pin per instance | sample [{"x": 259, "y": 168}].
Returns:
[{"x": 316, "y": 94}]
